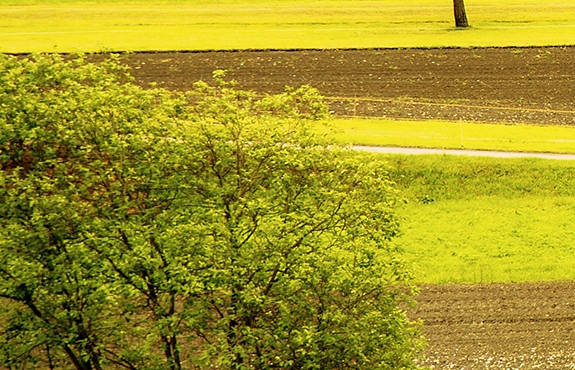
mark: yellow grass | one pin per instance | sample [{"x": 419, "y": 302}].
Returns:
[
  {"x": 74, "y": 25},
  {"x": 454, "y": 135}
]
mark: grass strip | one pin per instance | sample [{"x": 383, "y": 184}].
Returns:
[
  {"x": 76, "y": 25},
  {"x": 454, "y": 135}
]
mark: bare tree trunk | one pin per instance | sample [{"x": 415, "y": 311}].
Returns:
[{"x": 460, "y": 14}]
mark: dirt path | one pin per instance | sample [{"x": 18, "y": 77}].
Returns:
[
  {"x": 472, "y": 153},
  {"x": 495, "y": 326}
]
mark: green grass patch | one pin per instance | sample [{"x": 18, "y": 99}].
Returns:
[
  {"x": 486, "y": 219},
  {"x": 76, "y": 25},
  {"x": 491, "y": 240},
  {"x": 454, "y": 135}
]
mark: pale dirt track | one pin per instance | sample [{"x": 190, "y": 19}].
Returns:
[
  {"x": 470, "y": 153},
  {"x": 494, "y": 326}
]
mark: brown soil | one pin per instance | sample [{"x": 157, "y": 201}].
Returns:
[
  {"x": 529, "y": 85},
  {"x": 499, "y": 326},
  {"x": 495, "y": 326}
]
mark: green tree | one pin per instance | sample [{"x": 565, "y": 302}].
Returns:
[
  {"x": 77, "y": 152},
  {"x": 143, "y": 229}
]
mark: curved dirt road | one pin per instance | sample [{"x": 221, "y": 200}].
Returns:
[
  {"x": 494, "y": 326},
  {"x": 471, "y": 153}
]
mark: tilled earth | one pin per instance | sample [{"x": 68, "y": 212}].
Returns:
[
  {"x": 526, "y": 85},
  {"x": 477, "y": 326},
  {"x": 499, "y": 326}
]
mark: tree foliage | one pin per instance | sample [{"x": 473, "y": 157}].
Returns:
[{"x": 143, "y": 229}]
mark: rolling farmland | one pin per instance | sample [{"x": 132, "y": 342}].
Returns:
[
  {"x": 469, "y": 326},
  {"x": 409, "y": 78}
]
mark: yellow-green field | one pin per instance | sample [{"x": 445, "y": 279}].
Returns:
[
  {"x": 467, "y": 219},
  {"x": 76, "y": 25},
  {"x": 455, "y": 135},
  {"x": 472, "y": 219},
  {"x": 491, "y": 239}
]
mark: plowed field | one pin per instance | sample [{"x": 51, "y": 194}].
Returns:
[
  {"x": 530, "y": 85},
  {"x": 494, "y": 326},
  {"x": 499, "y": 326}
]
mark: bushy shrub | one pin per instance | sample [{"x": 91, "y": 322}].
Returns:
[{"x": 144, "y": 229}]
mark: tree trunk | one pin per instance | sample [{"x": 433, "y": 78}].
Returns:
[{"x": 460, "y": 14}]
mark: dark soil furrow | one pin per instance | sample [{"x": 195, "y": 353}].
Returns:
[{"x": 522, "y": 325}]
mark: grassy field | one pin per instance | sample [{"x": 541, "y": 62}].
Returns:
[
  {"x": 480, "y": 219},
  {"x": 78, "y": 25},
  {"x": 485, "y": 219},
  {"x": 466, "y": 219},
  {"x": 455, "y": 135}
]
